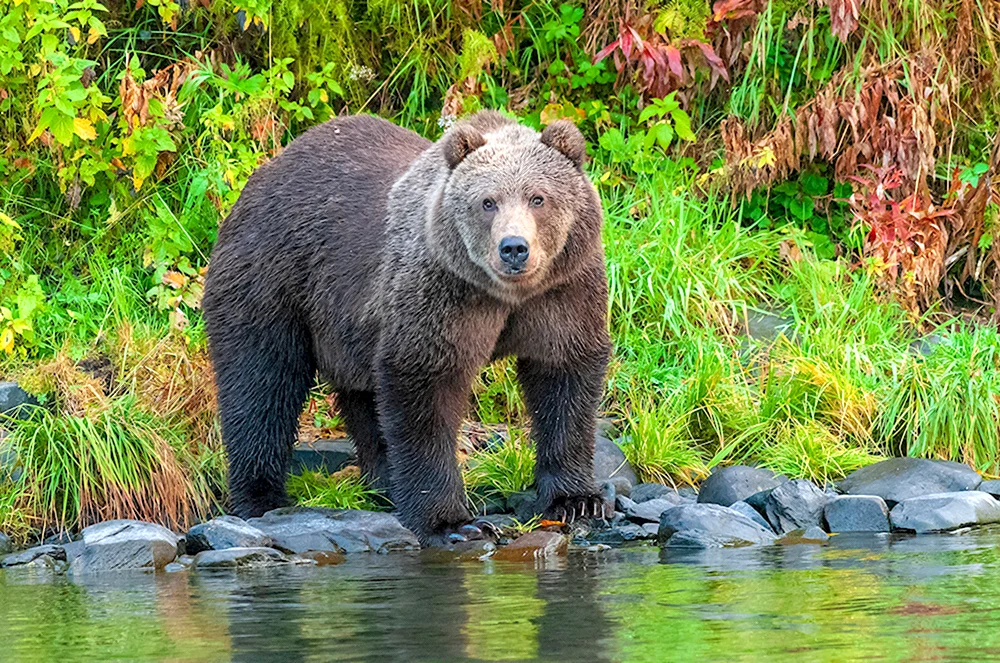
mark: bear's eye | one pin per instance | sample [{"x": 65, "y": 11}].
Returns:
[
  {"x": 537, "y": 201},
  {"x": 489, "y": 205}
]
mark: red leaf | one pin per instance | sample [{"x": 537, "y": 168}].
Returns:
[
  {"x": 714, "y": 61},
  {"x": 606, "y": 51},
  {"x": 674, "y": 58}
]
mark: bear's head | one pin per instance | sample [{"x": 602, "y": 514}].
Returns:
[{"x": 517, "y": 203}]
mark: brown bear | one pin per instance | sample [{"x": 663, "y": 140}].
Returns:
[{"x": 397, "y": 268}]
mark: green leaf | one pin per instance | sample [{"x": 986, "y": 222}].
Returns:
[
  {"x": 682, "y": 123},
  {"x": 801, "y": 209},
  {"x": 61, "y": 127},
  {"x": 664, "y": 134},
  {"x": 649, "y": 112},
  {"x": 813, "y": 185}
]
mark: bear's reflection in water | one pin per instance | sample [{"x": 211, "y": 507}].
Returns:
[{"x": 412, "y": 608}]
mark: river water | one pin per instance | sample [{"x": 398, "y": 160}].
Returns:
[{"x": 856, "y": 598}]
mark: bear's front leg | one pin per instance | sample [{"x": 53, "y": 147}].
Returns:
[
  {"x": 425, "y": 367},
  {"x": 563, "y": 399}
]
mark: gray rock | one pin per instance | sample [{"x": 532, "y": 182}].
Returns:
[
  {"x": 298, "y": 529},
  {"x": 764, "y": 325},
  {"x": 240, "y": 558},
  {"x": 620, "y": 533},
  {"x": 650, "y": 510},
  {"x": 609, "y": 461},
  {"x": 992, "y": 487},
  {"x": 795, "y": 505},
  {"x": 899, "y": 479},
  {"x": 751, "y": 513},
  {"x": 622, "y": 485},
  {"x": 608, "y": 492},
  {"x": 31, "y": 554},
  {"x": 759, "y": 501},
  {"x": 6, "y": 545},
  {"x": 735, "y": 483},
  {"x": 650, "y": 491},
  {"x": 125, "y": 544},
  {"x": 174, "y": 567},
  {"x": 812, "y": 534},
  {"x": 945, "y": 511},
  {"x": 225, "y": 532},
  {"x": 652, "y": 530},
  {"x": 325, "y": 455},
  {"x": 534, "y": 546},
  {"x": 857, "y": 513},
  {"x": 14, "y": 401},
  {"x": 624, "y": 504},
  {"x": 522, "y": 504},
  {"x": 709, "y": 526}
]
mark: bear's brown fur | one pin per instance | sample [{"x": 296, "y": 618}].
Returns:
[{"x": 370, "y": 255}]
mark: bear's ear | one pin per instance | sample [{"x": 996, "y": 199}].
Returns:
[
  {"x": 563, "y": 135},
  {"x": 460, "y": 142}
]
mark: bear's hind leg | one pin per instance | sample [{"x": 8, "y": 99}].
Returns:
[
  {"x": 357, "y": 408},
  {"x": 263, "y": 377}
]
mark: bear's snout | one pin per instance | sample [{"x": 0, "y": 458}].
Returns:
[{"x": 514, "y": 251}]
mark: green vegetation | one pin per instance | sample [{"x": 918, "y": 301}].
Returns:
[{"x": 757, "y": 160}]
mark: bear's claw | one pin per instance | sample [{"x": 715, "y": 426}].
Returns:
[{"x": 568, "y": 509}]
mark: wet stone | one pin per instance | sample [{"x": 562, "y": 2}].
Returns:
[
  {"x": 650, "y": 491},
  {"x": 240, "y": 558},
  {"x": 6, "y": 545},
  {"x": 31, "y": 554},
  {"x": 992, "y": 487},
  {"x": 945, "y": 511},
  {"x": 323, "y": 557},
  {"x": 298, "y": 529},
  {"x": 735, "y": 483},
  {"x": 811, "y": 535},
  {"x": 710, "y": 526},
  {"x": 522, "y": 504},
  {"x": 534, "y": 545},
  {"x": 225, "y": 532},
  {"x": 650, "y": 510},
  {"x": 622, "y": 533},
  {"x": 462, "y": 551},
  {"x": 794, "y": 505},
  {"x": 857, "y": 513},
  {"x": 899, "y": 479},
  {"x": 751, "y": 513},
  {"x": 175, "y": 567},
  {"x": 125, "y": 544},
  {"x": 610, "y": 462}
]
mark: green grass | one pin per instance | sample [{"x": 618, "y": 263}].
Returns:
[{"x": 334, "y": 492}]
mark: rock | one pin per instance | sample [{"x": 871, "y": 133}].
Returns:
[
  {"x": 73, "y": 549},
  {"x": 239, "y": 558},
  {"x": 709, "y": 526},
  {"x": 764, "y": 325},
  {"x": 945, "y": 511},
  {"x": 751, "y": 513},
  {"x": 688, "y": 493},
  {"x": 327, "y": 455},
  {"x": 651, "y": 491},
  {"x": 522, "y": 504},
  {"x": 899, "y": 479},
  {"x": 609, "y": 461},
  {"x": 652, "y": 530},
  {"x": 225, "y": 532},
  {"x": 992, "y": 487},
  {"x": 488, "y": 505},
  {"x": 607, "y": 428},
  {"x": 622, "y": 533},
  {"x": 125, "y": 544},
  {"x": 624, "y": 504},
  {"x": 925, "y": 346},
  {"x": 735, "y": 483},
  {"x": 14, "y": 401},
  {"x": 31, "y": 554},
  {"x": 795, "y": 505},
  {"x": 323, "y": 557},
  {"x": 175, "y": 567},
  {"x": 650, "y": 510},
  {"x": 462, "y": 551},
  {"x": 6, "y": 545},
  {"x": 759, "y": 501},
  {"x": 857, "y": 513},
  {"x": 534, "y": 545},
  {"x": 622, "y": 485},
  {"x": 812, "y": 534},
  {"x": 298, "y": 529}
]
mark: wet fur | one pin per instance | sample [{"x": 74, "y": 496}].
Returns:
[{"x": 358, "y": 253}]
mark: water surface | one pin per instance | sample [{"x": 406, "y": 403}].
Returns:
[{"x": 858, "y": 598}]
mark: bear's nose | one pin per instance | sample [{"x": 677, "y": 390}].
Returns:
[{"x": 514, "y": 251}]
